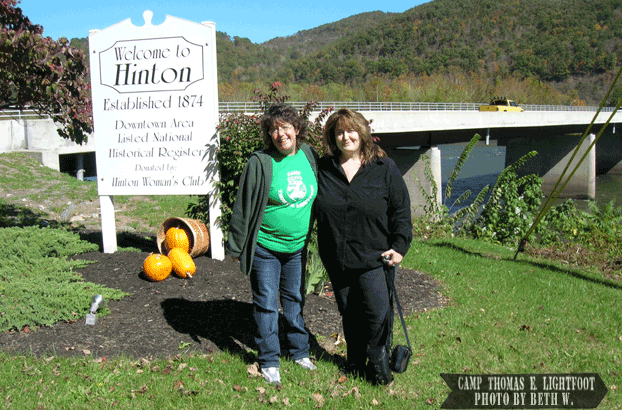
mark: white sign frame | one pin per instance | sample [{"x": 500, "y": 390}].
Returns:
[{"x": 155, "y": 113}]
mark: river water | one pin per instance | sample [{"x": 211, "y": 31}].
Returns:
[{"x": 484, "y": 165}]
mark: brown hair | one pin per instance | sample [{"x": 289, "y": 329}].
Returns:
[
  {"x": 348, "y": 120},
  {"x": 280, "y": 113}
]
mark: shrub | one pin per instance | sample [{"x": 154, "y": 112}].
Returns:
[
  {"x": 513, "y": 203},
  {"x": 439, "y": 221},
  {"x": 563, "y": 223},
  {"x": 240, "y": 136},
  {"x": 38, "y": 286},
  {"x": 504, "y": 219}
]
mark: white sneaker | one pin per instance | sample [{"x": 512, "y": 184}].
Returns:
[
  {"x": 306, "y": 363},
  {"x": 271, "y": 374}
]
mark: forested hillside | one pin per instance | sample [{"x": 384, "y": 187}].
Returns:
[
  {"x": 309, "y": 41},
  {"x": 541, "y": 51},
  {"x": 551, "y": 39}
]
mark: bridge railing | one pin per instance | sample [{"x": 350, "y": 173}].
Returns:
[
  {"x": 253, "y": 107},
  {"x": 536, "y": 107},
  {"x": 400, "y": 106},
  {"x": 358, "y": 106},
  {"x": 18, "y": 115}
]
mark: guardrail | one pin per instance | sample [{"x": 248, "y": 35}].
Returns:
[
  {"x": 19, "y": 115},
  {"x": 536, "y": 107},
  {"x": 252, "y": 107},
  {"x": 225, "y": 107}
]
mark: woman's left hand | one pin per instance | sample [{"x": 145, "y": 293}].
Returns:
[{"x": 396, "y": 258}]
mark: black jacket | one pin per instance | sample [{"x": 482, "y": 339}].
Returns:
[{"x": 361, "y": 219}]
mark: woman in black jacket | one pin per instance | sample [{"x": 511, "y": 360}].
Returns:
[{"x": 363, "y": 215}]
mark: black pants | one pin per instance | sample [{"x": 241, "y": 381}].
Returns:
[{"x": 363, "y": 302}]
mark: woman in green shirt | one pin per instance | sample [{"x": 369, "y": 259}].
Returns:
[{"x": 269, "y": 230}]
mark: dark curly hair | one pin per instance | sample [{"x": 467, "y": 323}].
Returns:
[{"x": 278, "y": 114}]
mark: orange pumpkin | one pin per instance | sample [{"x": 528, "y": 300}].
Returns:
[
  {"x": 157, "y": 267},
  {"x": 183, "y": 265},
  {"x": 177, "y": 238}
]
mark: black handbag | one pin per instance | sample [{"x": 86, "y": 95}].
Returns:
[{"x": 400, "y": 355}]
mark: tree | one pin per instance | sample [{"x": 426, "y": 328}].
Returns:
[{"x": 39, "y": 73}]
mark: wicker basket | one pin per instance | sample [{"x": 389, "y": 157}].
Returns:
[{"x": 197, "y": 234}]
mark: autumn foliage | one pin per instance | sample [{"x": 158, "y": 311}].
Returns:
[{"x": 39, "y": 73}]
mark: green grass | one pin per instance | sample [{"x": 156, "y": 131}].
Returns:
[
  {"x": 155, "y": 209},
  {"x": 501, "y": 316},
  {"x": 523, "y": 316},
  {"x": 18, "y": 171}
]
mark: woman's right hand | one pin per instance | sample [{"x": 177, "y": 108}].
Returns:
[{"x": 392, "y": 258}]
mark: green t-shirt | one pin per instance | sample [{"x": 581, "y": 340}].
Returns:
[{"x": 288, "y": 212}]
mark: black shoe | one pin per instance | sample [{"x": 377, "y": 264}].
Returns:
[
  {"x": 353, "y": 370},
  {"x": 378, "y": 369}
]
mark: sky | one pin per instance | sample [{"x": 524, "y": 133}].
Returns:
[{"x": 259, "y": 20}]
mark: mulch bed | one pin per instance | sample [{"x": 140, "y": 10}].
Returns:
[{"x": 210, "y": 312}]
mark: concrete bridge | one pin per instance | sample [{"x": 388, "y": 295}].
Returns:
[
  {"x": 407, "y": 131},
  {"x": 408, "y": 136},
  {"x": 410, "y": 131}
]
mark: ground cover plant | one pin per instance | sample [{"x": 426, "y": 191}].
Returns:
[{"x": 38, "y": 284}]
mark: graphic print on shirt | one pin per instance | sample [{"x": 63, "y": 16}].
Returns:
[{"x": 296, "y": 190}]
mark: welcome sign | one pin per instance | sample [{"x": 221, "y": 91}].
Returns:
[
  {"x": 155, "y": 107},
  {"x": 166, "y": 64},
  {"x": 155, "y": 112}
]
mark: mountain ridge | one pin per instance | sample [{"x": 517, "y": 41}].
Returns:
[{"x": 573, "y": 46}]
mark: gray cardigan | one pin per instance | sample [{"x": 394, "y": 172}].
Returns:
[{"x": 250, "y": 204}]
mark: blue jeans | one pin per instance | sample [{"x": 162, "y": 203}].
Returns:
[{"x": 275, "y": 272}]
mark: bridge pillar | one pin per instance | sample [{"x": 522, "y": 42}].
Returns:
[
  {"x": 411, "y": 164},
  {"x": 80, "y": 167},
  {"x": 609, "y": 153},
  {"x": 554, "y": 152}
]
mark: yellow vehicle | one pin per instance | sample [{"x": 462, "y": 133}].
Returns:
[{"x": 501, "y": 104}]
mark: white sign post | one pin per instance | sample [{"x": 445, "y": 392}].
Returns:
[{"x": 155, "y": 112}]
